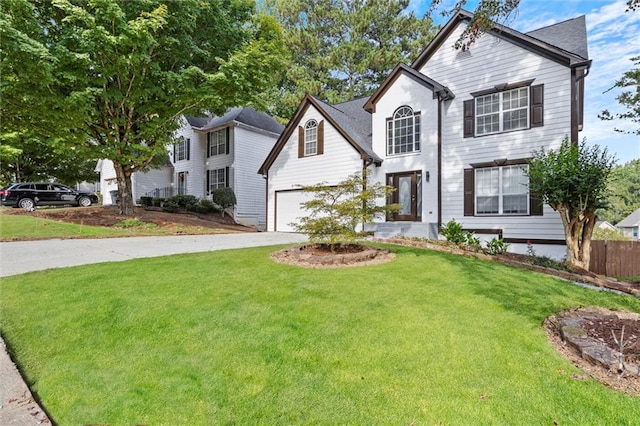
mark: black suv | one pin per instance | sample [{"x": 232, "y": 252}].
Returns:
[{"x": 28, "y": 195}]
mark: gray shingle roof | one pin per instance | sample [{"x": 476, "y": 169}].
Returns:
[
  {"x": 245, "y": 115},
  {"x": 632, "y": 220},
  {"x": 197, "y": 121},
  {"x": 569, "y": 35},
  {"x": 354, "y": 120}
]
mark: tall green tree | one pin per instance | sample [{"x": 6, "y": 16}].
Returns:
[
  {"x": 342, "y": 49},
  {"x": 623, "y": 192},
  {"x": 573, "y": 181},
  {"x": 119, "y": 73}
]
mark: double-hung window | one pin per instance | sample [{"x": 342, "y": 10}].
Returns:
[
  {"x": 403, "y": 131},
  {"x": 181, "y": 149},
  {"x": 217, "y": 179},
  {"x": 502, "y": 111},
  {"x": 218, "y": 142},
  {"x": 502, "y": 190},
  {"x": 504, "y": 108},
  {"x": 311, "y": 138}
]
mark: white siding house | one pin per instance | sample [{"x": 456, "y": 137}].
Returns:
[
  {"x": 630, "y": 225},
  {"x": 452, "y": 133},
  {"x": 210, "y": 153}
]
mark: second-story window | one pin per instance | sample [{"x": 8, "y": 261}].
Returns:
[
  {"x": 311, "y": 138},
  {"x": 181, "y": 149},
  {"x": 218, "y": 142},
  {"x": 504, "y": 108},
  {"x": 502, "y": 111},
  {"x": 403, "y": 131}
]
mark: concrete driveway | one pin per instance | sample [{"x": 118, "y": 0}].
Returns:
[
  {"x": 17, "y": 405},
  {"x": 19, "y": 257}
]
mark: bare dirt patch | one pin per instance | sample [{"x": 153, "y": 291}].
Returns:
[
  {"x": 109, "y": 216},
  {"x": 595, "y": 332},
  {"x": 319, "y": 256}
]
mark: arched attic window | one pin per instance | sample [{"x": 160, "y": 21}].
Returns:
[{"x": 311, "y": 138}]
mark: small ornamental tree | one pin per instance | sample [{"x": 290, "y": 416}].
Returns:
[
  {"x": 224, "y": 197},
  {"x": 573, "y": 181},
  {"x": 336, "y": 210}
]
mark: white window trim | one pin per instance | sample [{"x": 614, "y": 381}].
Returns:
[
  {"x": 181, "y": 150},
  {"x": 501, "y": 192},
  {"x": 501, "y": 111},
  {"x": 311, "y": 138},
  {"x": 216, "y": 173},
  {"x": 218, "y": 142},
  {"x": 414, "y": 136}
]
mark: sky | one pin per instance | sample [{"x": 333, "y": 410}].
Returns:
[{"x": 613, "y": 37}]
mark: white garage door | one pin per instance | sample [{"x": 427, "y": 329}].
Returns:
[{"x": 288, "y": 209}]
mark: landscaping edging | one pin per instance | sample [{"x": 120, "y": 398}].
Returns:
[
  {"x": 298, "y": 256},
  {"x": 569, "y": 326},
  {"x": 593, "y": 279}
]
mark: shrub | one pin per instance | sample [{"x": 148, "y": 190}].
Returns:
[
  {"x": 203, "y": 206},
  {"x": 158, "y": 201},
  {"x": 224, "y": 197},
  {"x": 497, "y": 246},
  {"x": 453, "y": 232},
  {"x": 335, "y": 211},
  {"x": 170, "y": 206},
  {"x": 146, "y": 201},
  {"x": 183, "y": 201}
]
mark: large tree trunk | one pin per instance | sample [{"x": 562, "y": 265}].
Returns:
[
  {"x": 125, "y": 192},
  {"x": 577, "y": 233}
]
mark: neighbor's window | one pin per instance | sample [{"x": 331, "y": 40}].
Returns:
[
  {"x": 218, "y": 142},
  {"x": 311, "y": 138},
  {"x": 181, "y": 149},
  {"x": 403, "y": 131},
  {"x": 502, "y": 190},
  {"x": 217, "y": 179},
  {"x": 502, "y": 111}
]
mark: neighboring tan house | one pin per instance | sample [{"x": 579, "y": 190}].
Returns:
[
  {"x": 630, "y": 225},
  {"x": 210, "y": 153},
  {"x": 452, "y": 133}
]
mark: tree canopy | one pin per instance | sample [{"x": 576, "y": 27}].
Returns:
[
  {"x": 623, "y": 192},
  {"x": 629, "y": 99},
  {"x": 116, "y": 74},
  {"x": 343, "y": 49},
  {"x": 573, "y": 181}
]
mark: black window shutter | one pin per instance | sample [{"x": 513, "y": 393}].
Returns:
[
  {"x": 188, "y": 148},
  {"x": 208, "y": 189},
  {"x": 321, "y": 138},
  {"x": 535, "y": 205},
  {"x": 227, "y": 130},
  {"x": 208, "y": 149},
  {"x": 300, "y": 142},
  {"x": 469, "y": 192},
  {"x": 537, "y": 105},
  {"x": 469, "y": 118},
  {"x": 174, "y": 153},
  {"x": 226, "y": 177}
]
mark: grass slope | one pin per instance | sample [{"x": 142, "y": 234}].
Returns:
[
  {"x": 231, "y": 337},
  {"x": 16, "y": 227}
]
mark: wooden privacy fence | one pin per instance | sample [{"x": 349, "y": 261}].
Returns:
[{"x": 615, "y": 258}]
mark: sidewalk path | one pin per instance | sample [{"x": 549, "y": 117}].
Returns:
[{"x": 17, "y": 406}]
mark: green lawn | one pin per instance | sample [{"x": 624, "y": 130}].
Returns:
[
  {"x": 230, "y": 337},
  {"x": 17, "y": 227}
]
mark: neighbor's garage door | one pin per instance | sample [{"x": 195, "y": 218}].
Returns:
[{"x": 288, "y": 209}]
